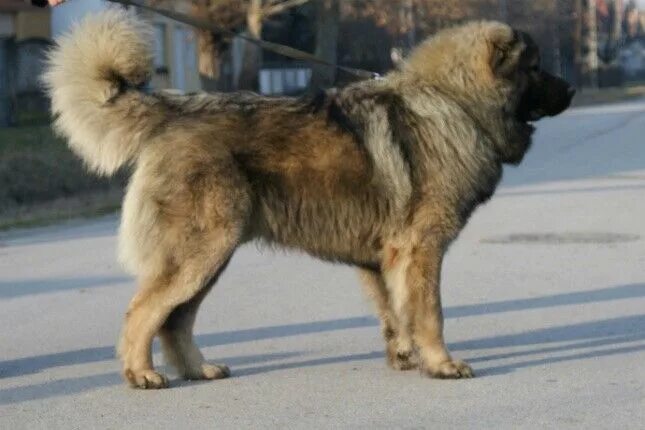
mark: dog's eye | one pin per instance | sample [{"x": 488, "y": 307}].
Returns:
[{"x": 535, "y": 68}]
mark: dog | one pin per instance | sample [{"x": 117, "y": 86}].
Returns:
[{"x": 381, "y": 175}]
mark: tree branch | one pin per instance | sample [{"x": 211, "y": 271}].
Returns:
[{"x": 274, "y": 9}]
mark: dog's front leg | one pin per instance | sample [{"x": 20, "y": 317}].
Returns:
[
  {"x": 418, "y": 303},
  {"x": 399, "y": 348}
]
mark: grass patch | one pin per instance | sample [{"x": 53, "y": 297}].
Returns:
[
  {"x": 42, "y": 180},
  {"x": 62, "y": 209}
]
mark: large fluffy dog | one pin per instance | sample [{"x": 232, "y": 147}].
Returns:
[{"x": 381, "y": 175}]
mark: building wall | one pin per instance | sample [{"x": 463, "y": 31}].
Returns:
[
  {"x": 33, "y": 24},
  {"x": 26, "y": 24},
  {"x": 175, "y": 55},
  {"x": 184, "y": 73},
  {"x": 7, "y": 26}
]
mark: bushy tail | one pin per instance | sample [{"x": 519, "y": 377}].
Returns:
[{"x": 89, "y": 76}]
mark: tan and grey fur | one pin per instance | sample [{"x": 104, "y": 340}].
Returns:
[{"x": 381, "y": 175}]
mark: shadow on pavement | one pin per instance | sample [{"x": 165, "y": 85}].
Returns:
[
  {"x": 27, "y": 365},
  {"x": 610, "y": 334},
  {"x": 308, "y": 363},
  {"x": 564, "y": 299},
  {"x": 12, "y": 289},
  {"x": 69, "y": 386},
  {"x": 616, "y": 335},
  {"x": 611, "y": 341}
]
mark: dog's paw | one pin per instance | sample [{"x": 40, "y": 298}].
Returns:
[
  {"x": 145, "y": 379},
  {"x": 215, "y": 371},
  {"x": 451, "y": 369},
  {"x": 407, "y": 360},
  {"x": 208, "y": 371}
]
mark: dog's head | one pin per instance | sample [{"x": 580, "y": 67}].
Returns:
[
  {"x": 494, "y": 72},
  {"x": 529, "y": 93}
]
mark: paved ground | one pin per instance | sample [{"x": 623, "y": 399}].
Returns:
[{"x": 552, "y": 317}]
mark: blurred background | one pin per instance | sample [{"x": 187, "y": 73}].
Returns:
[{"x": 599, "y": 45}]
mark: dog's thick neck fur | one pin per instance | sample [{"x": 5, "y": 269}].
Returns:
[
  {"x": 474, "y": 153},
  {"x": 431, "y": 157}
]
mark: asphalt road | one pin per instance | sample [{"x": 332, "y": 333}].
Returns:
[{"x": 544, "y": 294}]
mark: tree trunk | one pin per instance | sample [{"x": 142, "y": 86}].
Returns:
[
  {"x": 252, "y": 54},
  {"x": 577, "y": 42},
  {"x": 503, "y": 10},
  {"x": 591, "y": 63},
  {"x": 327, "y": 24},
  {"x": 557, "y": 50},
  {"x": 208, "y": 60},
  {"x": 210, "y": 47},
  {"x": 617, "y": 24}
]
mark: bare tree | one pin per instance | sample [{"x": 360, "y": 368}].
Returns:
[
  {"x": 232, "y": 16},
  {"x": 327, "y": 25},
  {"x": 591, "y": 42},
  {"x": 252, "y": 54},
  {"x": 257, "y": 12},
  {"x": 503, "y": 10},
  {"x": 615, "y": 31}
]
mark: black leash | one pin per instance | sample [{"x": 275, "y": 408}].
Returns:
[{"x": 277, "y": 48}]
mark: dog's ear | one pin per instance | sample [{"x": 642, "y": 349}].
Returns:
[{"x": 505, "y": 47}]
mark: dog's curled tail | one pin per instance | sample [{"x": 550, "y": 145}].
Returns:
[{"x": 91, "y": 77}]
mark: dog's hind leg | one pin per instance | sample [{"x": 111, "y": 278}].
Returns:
[
  {"x": 398, "y": 344},
  {"x": 157, "y": 299},
  {"x": 196, "y": 230},
  {"x": 179, "y": 346}
]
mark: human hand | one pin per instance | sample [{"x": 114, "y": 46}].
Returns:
[{"x": 45, "y": 3}]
